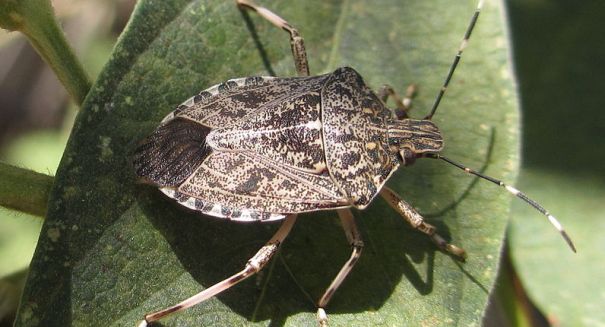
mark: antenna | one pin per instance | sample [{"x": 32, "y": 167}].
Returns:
[
  {"x": 463, "y": 45},
  {"x": 512, "y": 190}
]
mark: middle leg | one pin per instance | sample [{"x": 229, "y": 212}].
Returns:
[{"x": 354, "y": 238}]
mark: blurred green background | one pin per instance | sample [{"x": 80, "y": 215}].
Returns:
[
  {"x": 559, "y": 54},
  {"x": 559, "y": 57}
]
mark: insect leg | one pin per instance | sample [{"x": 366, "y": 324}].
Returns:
[
  {"x": 415, "y": 219},
  {"x": 403, "y": 105},
  {"x": 354, "y": 238},
  {"x": 255, "y": 264},
  {"x": 296, "y": 41}
]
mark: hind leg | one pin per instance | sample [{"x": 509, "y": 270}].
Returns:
[{"x": 254, "y": 265}]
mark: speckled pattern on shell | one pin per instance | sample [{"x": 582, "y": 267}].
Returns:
[
  {"x": 355, "y": 127},
  {"x": 274, "y": 146}
]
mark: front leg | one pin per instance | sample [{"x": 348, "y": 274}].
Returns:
[
  {"x": 416, "y": 221},
  {"x": 403, "y": 105}
]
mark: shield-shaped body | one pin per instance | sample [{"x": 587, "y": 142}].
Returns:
[{"x": 260, "y": 148}]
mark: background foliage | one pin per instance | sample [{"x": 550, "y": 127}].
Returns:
[{"x": 559, "y": 61}]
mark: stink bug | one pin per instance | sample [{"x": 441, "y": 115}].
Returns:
[{"x": 267, "y": 148}]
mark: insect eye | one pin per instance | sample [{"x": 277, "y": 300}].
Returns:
[{"x": 407, "y": 156}]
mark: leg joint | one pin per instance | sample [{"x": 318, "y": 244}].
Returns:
[
  {"x": 357, "y": 245},
  {"x": 260, "y": 259},
  {"x": 426, "y": 228}
]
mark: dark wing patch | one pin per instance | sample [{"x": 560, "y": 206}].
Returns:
[
  {"x": 249, "y": 182},
  {"x": 172, "y": 152}
]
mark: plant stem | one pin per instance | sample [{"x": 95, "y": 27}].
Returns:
[
  {"x": 24, "y": 190},
  {"x": 36, "y": 19}
]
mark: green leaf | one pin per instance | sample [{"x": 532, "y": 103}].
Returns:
[
  {"x": 544, "y": 262},
  {"x": 563, "y": 116},
  {"x": 120, "y": 249}
]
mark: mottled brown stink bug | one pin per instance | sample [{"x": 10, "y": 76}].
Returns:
[{"x": 267, "y": 148}]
